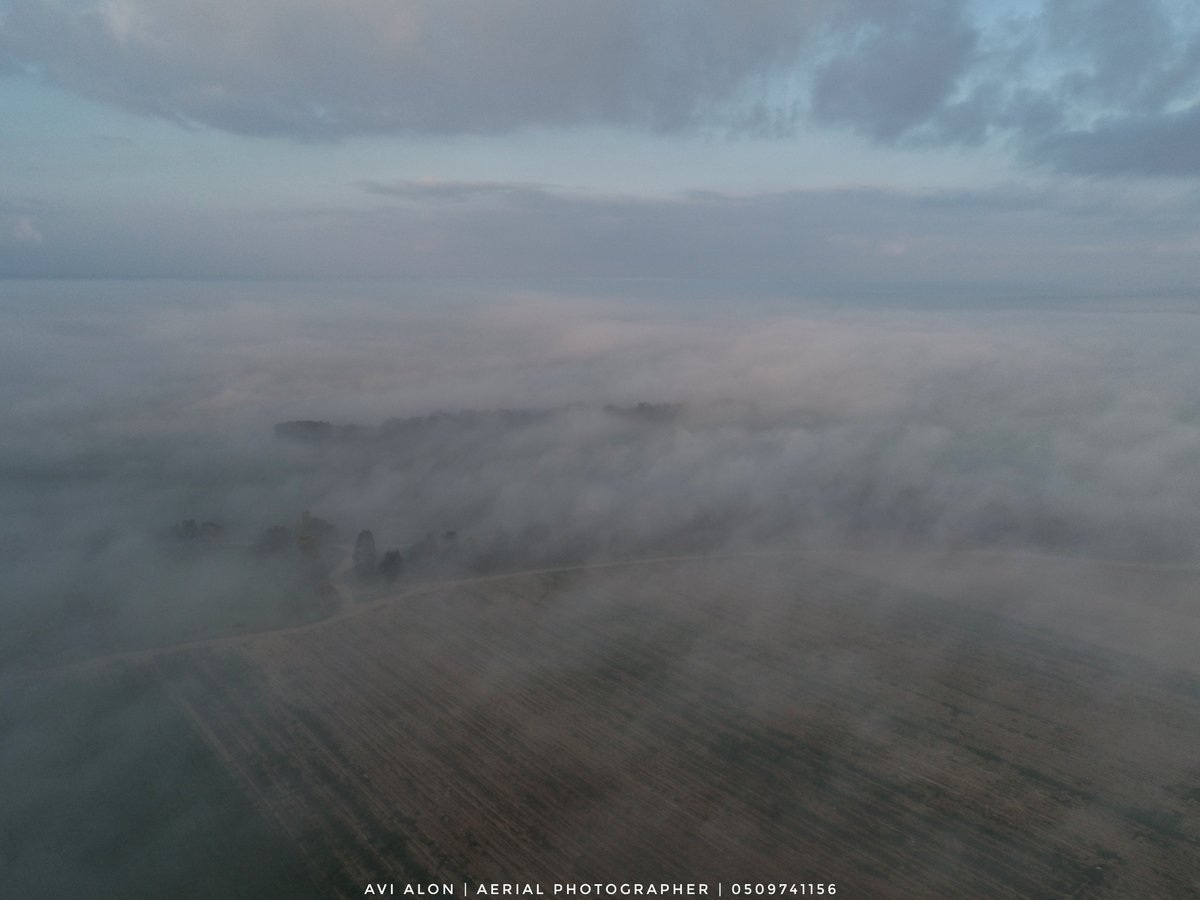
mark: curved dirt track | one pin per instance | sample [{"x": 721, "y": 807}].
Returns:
[{"x": 349, "y": 609}]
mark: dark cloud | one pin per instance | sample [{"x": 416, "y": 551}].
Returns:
[
  {"x": 897, "y": 70},
  {"x": 1120, "y": 99},
  {"x": 1167, "y": 144},
  {"x": 1116, "y": 52},
  {"x": 1056, "y": 77},
  {"x": 321, "y": 70}
]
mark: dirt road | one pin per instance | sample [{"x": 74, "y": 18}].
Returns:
[{"x": 349, "y": 609}]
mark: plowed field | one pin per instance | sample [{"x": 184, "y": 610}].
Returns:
[{"x": 714, "y": 720}]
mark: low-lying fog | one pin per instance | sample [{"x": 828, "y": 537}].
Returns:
[
  {"x": 509, "y": 414},
  {"x": 148, "y": 499}
]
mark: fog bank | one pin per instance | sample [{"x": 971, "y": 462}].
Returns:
[{"x": 508, "y": 412}]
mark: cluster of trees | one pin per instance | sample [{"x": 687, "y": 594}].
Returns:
[
  {"x": 191, "y": 530},
  {"x": 428, "y": 552},
  {"x": 191, "y": 539},
  {"x": 370, "y": 567},
  {"x": 310, "y": 536},
  {"x": 460, "y": 422},
  {"x": 310, "y": 541}
]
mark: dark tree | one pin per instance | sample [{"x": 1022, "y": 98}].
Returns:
[
  {"x": 312, "y": 535},
  {"x": 391, "y": 566},
  {"x": 364, "y": 555},
  {"x": 314, "y": 527}
]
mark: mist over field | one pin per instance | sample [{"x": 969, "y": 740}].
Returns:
[
  {"x": 963, "y": 450},
  {"x": 506, "y": 411}
]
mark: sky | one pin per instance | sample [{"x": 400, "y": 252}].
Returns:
[{"x": 992, "y": 147}]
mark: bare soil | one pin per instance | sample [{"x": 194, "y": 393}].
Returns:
[{"x": 902, "y": 728}]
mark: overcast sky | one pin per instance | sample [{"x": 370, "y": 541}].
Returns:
[{"x": 1003, "y": 146}]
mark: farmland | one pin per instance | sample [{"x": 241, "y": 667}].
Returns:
[
  {"x": 900, "y": 730},
  {"x": 109, "y": 793}
]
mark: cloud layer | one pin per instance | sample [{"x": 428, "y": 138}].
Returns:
[
  {"x": 1081, "y": 86},
  {"x": 320, "y": 69}
]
